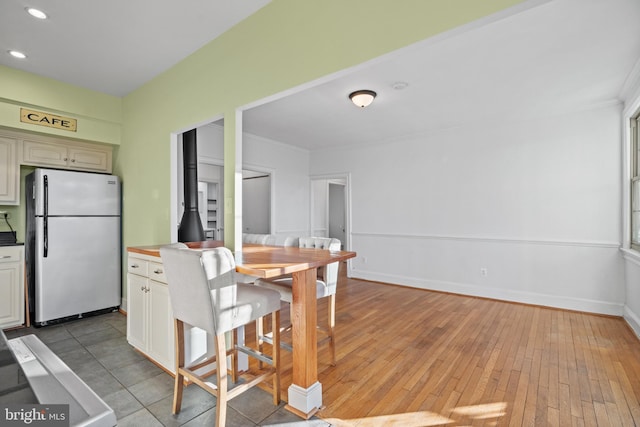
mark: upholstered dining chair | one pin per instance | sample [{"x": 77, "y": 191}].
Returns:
[
  {"x": 277, "y": 240},
  {"x": 204, "y": 294},
  {"x": 259, "y": 239},
  {"x": 326, "y": 286},
  {"x": 268, "y": 240}
]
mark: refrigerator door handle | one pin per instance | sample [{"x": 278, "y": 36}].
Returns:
[{"x": 45, "y": 246}]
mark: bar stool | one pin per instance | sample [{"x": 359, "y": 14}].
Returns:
[{"x": 204, "y": 294}]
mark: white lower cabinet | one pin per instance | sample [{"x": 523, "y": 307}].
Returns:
[
  {"x": 149, "y": 318},
  {"x": 11, "y": 286},
  {"x": 150, "y": 326}
]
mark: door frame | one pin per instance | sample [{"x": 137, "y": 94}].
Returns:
[{"x": 341, "y": 178}]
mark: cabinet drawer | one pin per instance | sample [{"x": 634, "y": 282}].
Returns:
[
  {"x": 156, "y": 272},
  {"x": 137, "y": 266},
  {"x": 11, "y": 254}
]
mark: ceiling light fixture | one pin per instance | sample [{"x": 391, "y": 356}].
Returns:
[
  {"x": 36, "y": 13},
  {"x": 17, "y": 54},
  {"x": 362, "y": 98}
]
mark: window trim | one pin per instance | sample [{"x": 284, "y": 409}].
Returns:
[{"x": 634, "y": 175}]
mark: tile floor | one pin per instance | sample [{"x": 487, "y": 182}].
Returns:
[{"x": 139, "y": 392}]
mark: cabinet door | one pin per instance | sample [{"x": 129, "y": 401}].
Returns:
[
  {"x": 39, "y": 154},
  {"x": 9, "y": 172},
  {"x": 11, "y": 295},
  {"x": 161, "y": 334},
  {"x": 92, "y": 160},
  {"x": 137, "y": 310}
]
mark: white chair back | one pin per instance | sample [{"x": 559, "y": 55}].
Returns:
[
  {"x": 330, "y": 271},
  {"x": 275, "y": 240},
  {"x": 327, "y": 243},
  {"x": 258, "y": 239},
  {"x": 202, "y": 286}
]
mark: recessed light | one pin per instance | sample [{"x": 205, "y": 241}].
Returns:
[
  {"x": 17, "y": 54},
  {"x": 36, "y": 13}
]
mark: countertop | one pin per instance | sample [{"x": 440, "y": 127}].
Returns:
[{"x": 154, "y": 250}]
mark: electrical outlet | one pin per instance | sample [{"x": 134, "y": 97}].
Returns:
[{"x": 484, "y": 272}]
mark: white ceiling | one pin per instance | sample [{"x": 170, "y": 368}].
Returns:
[
  {"x": 555, "y": 57},
  {"x": 113, "y": 46}
]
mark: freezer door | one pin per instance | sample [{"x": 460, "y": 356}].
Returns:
[
  {"x": 81, "y": 271},
  {"x": 76, "y": 193}
]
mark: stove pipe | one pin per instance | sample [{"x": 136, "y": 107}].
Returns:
[{"x": 190, "y": 229}]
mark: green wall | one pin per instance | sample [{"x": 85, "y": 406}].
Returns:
[
  {"x": 99, "y": 116},
  {"x": 283, "y": 45}
]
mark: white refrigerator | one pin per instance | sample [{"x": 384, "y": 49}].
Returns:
[{"x": 73, "y": 244}]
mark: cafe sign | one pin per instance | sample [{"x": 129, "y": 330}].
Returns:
[{"x": 45, "y": 119}]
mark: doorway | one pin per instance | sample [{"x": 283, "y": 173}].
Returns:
[
  {"x": 330, "y": 208},
  {"x": 256, "y": 202},
  {"x": 211, "y": 217}
]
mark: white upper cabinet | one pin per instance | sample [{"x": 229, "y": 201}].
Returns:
[
  {"x": 67, "y": 156},
  {"x": 18, "y": 148},
  {"x": 9, "y": 172}
]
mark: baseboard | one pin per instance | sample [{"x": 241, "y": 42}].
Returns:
[
  {"x": 554, "y": 301},
  {"x": 633, "y": 320}
]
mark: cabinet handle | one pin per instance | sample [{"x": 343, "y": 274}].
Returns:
[
  {"x": 147, "y": 289},
  {"x": 5, "y": 256},
  {"x": 73, "y": 160},
  {"x": 135, "y": 266},
  {"x": 142, "y": 288},
  {"x": 157, "y": 271},
  {"x": 65, "y": 159}
]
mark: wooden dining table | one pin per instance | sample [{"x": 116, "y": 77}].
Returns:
[{"x": 305, "y": 392}]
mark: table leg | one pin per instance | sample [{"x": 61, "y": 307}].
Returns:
[{"x": 305, "y": 393}]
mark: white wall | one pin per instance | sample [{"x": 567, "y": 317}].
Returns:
[
  {"x": 535, "y": 204},
  {"x": 287, "y": 165},
  {"x": 210, "y": 139},
  {"x": 289, "y": 169},
  {"x": 320, "y": 198}
]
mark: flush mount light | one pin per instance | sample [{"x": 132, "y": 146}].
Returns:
[
  {"x": 362, "y": 98},
  {"x": 36, "y": 13},
  {"x": 17, "y": 54}
]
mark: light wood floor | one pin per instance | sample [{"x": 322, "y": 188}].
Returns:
[{"x": 412, "y": 357}]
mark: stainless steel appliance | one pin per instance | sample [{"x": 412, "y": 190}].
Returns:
[{"x": 73, "y": 248}]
